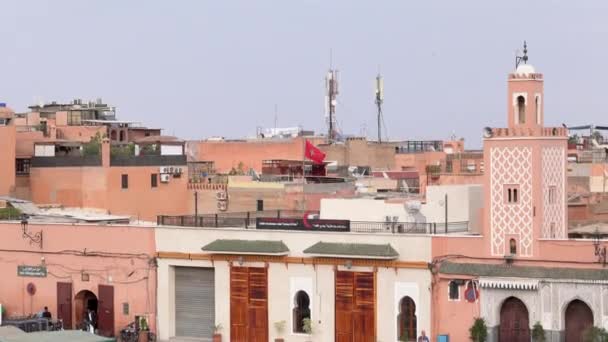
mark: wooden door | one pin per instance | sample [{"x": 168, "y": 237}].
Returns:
[
  {"x": 64, "y": 304},
  {"x": 105, "y": 311},
  {"x": 355, "y": 307},
  {"x": 514, "y": 321},
  {"x": 248, "y": 304},
  {"x": 578, "y": 318}
]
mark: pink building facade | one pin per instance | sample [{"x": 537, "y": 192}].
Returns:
[{"x": 523, "y": 269}]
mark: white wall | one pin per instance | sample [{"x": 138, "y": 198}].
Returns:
[
  {"x": 464, "y": 204},
  {"x": 284, "y": 280}
]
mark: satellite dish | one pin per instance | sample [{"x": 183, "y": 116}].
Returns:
[{"x": 487, "y": 132}]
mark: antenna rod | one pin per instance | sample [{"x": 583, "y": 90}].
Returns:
[{"x": 379, "y": 100}]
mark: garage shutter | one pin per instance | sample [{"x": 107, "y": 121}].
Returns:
[{"x": 194, "y": 302}]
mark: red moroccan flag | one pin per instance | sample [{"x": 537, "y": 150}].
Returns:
[{"x": 313, "y": 153}]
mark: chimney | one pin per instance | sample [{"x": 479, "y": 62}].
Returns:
[{"x": 105, "y": 152}]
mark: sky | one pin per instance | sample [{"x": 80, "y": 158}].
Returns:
[{"x": 220, "y": 68}]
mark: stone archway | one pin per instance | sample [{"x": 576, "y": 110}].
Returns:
[
  {"x": 83, "y": 301},
  {"x": 514, "y": 321},
  {"x": 578, "y": 318}
]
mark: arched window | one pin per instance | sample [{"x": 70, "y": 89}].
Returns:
[
  {"x": 512, "y": 247},
  {"x": 113, "y": 135},
  {"x": 121, "y": 136},
  {"x": 301, "y": 311},
  {"x": 521, "y": 109},
  {"x": 406, "y": 320}
]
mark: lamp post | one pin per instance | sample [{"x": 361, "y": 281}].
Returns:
[{"x": 35, "y": 238}]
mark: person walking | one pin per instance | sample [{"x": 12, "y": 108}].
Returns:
[{"x": 423, "y": 337}]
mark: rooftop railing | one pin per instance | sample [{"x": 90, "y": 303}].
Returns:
[{"x": 247, "y": 220}]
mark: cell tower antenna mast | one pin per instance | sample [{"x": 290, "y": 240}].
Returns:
[
  {"x": 331, "y": 93},
  {"x": 379, "y": 100}
]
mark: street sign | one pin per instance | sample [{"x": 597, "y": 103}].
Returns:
[{"x": 31, "y": 271}]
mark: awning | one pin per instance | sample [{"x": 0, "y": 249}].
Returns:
[
  {"x": 528, "y": 272},
  {"x": 249, "y": 247},
  {"x": 352, "y": 250},
  {"x": 509, "y": 283}
]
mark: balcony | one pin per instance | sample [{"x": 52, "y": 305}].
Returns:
[{"x": 66, "y": 161}]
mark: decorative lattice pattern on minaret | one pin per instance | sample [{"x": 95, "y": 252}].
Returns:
[
  {"x": 511, "y": 165},
  {"x": 554, "y": 173}
]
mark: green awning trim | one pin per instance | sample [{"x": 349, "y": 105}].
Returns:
[
  {"x": 493, "y": 270},
  {"x": 253, "y": 247},
  {"x": 352, "y": 250}
]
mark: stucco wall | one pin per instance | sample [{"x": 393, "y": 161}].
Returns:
[
  {"x": 391, "y": 283},
  {"x": 7, "y": 160},
  {"x": 113, "y": 253}
]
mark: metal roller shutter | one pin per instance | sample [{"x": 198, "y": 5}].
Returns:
[{"x": 194, "y": 302}]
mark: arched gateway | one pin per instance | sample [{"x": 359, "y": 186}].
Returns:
[
  {"x": 578, "y": 318},
  {"x": 514, "y": 321}
]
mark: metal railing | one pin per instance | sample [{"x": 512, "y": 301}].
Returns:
[
  {"x": 247, "y": 220},
  {"x": 148, "y": 160}
]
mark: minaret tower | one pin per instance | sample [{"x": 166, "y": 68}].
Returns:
[{"x": 525, "y": 177}]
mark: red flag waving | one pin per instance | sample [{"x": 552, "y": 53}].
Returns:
[{"x": 313, "y": 153}]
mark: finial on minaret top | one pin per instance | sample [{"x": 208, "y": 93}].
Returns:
[{"x": 524, "y": 58}]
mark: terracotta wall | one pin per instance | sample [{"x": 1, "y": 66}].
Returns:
[
  {"x": 228, "y": 154},
  {"x": 360, "y": 152},
  {"x": 7, "y": 160},
  {"x": 116, "y": 255},
  {"x": 80, "y": 133}
]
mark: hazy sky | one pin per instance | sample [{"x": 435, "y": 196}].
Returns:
[{"x": 210, "y": 68}]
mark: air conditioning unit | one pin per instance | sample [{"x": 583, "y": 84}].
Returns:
[
  {"x": 177, "y": 171},
  {"x": 221, "y": 195},
  {"x": 164, "y": 178},
  {"x": 222, "y": 206},
  {"x": 164, "y": 169}
]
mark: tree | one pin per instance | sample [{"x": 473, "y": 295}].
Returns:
[
  {"x": 479, "y": 330},
  {"x": 93, "y": 147},
  {"x": 538, "y": 333}
]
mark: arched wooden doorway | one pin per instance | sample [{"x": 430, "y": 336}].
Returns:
[
  {"x": 578, "y": 318},
  {"x": 514, "y": 321},
  {"x": 84, "y": 301},
  {"x": 407, "y": 320}
]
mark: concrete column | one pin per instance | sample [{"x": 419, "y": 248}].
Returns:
[{"x": 105, "y": 152}]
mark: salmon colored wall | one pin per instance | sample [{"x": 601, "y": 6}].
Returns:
[
  {"x": 125, "y": 249},
  {"x": 418, "y": 161},
  {"x": 521, "y": 84},
  {"x": 80, "y": 133},
  {"x": 228, "y": 154},
  {"x": 25, "y": 142},
  {"x": 453, "y": 318},
  {"x": 142, "y": 201},
  {"x": 7, "y": 160}
]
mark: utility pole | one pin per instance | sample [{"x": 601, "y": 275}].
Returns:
[
  {"x": 196, "y": 209},
  {"x": 379, "y": 100}
]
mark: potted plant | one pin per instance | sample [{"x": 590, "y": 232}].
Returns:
[
  {"x": 307, "y": 326},
  {"x": 538, "y": 333},
  {"x": 143, "y": 330},
  {"x": 217, "y": 335},
  {"x": 479, "y": 330},
  {"x": 280, "y": 328},
  {"x": 595, "y": 334}
]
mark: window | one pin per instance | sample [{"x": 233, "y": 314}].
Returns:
[
  {"x": 551, "y": 195},
  {"x": 521, "y": 109},
  {"x": 454, "y": 290},
  {"x": 22, "y": 166},
  {"x": 301, "y": 311},
  {"x": 511, "y": 194},
  {"x": 538, "y": 118},
  {"x": 552, "y": 230},
  {"x": 154, "y": 180},
  {"x": 512, "y": 247},
  {"x": 260, "y": 205},
  {"x": 124, "y": 180},
  {"x": 406, "y": 320},
  {"x": 121, "y": 136}
]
